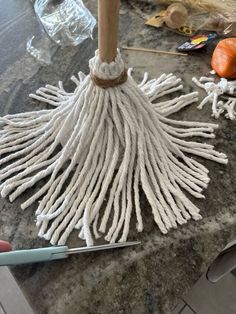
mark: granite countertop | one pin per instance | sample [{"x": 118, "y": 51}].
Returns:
[{"x": 146, "y": 279}]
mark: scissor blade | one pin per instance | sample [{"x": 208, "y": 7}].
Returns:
[{"x": 101, "y": 247}]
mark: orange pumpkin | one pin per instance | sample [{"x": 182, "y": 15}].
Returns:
[{"x": 224, "y": 58}]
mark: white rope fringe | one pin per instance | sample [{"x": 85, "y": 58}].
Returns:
[
  {"x": 214, "y": 90},
  {"x": 115, "y": 141}
]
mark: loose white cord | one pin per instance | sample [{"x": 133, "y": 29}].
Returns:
[{"x": 214, "y": 90}]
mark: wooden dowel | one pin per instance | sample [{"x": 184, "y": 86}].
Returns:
[
  {"x": 155, "y": 51},
  {"x": 108, "y": 26}
]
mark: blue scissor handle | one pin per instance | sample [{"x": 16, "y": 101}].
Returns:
[{"x": 33, "y": 255}]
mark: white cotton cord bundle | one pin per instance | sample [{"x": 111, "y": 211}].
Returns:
[
  {"x": 53, "y": 95},
  {"x": 205, "y": 79},
  {"x": 108, "y": 143},
  {"x": 229, "y": 108},
  {"x": 214, "y": 91}
]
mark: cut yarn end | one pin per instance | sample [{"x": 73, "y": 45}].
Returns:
[{"x": 115, "y": 141}]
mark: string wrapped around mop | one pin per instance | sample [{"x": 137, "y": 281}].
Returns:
[{"x": 106, "y": 142}]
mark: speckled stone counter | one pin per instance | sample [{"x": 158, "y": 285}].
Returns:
[{"x": 146, "y": 279}]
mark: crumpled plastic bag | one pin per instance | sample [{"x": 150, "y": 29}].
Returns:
[
  {"x": 67, "y": 22},
  {"x": 63, "y": 23},
  {"x": 42, "y": 48}
]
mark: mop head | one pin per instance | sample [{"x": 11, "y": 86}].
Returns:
[{"x": 97, "y": 147}]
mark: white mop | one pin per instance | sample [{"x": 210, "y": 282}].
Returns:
[{"x": 107, "y": 140}]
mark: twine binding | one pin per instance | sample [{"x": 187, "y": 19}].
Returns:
[{"x": 107, "y": 83}]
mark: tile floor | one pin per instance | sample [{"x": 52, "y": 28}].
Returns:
[
  {"x": 208, "y": 298},
  {"x": 12, "y": 300}
]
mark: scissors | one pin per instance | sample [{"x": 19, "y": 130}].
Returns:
[{"x": 46, "y": 254}]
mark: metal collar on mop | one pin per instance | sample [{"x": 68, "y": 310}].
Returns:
[{"x": 53, "y": 253}]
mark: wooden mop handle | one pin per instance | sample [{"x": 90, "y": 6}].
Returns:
[{"x": 108, "y": 25}]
